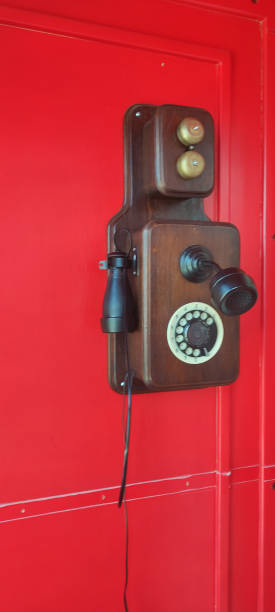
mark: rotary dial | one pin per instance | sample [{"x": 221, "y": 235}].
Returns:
[{"x": 195, "y": 332}]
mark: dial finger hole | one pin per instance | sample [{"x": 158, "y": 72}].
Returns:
[{"x": 189, "y": 351}]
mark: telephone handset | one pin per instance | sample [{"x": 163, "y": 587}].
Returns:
[{"x": 174, "y": 282}]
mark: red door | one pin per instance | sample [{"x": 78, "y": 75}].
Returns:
[{"x": 202, "y": 463}]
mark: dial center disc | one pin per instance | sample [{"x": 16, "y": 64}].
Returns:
[{"x": 197, "y": 334}]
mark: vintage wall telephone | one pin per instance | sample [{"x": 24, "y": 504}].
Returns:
[{"x": 174, "y": 285}]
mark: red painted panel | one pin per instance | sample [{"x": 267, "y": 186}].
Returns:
[
  {"x": 244, "y": 547},
  {"x": 180, "y": 528},
  {"x": 63, "y": 562},
  {"x": 267, "y": 418},
  {"x": 75, "y": 561},
  {"x": 66, "y": 436},
  {"x": 62, "y": 104},
  {"x": 269, "y": 547},
  {"x": 269, "y": 249}
]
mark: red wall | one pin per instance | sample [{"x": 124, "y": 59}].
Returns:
[{"x": 202, "y": 462}]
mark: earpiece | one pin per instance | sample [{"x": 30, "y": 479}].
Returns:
[{"x": 232, "y": 290}]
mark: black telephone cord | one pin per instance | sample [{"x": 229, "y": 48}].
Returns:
[{"x": 128, "y": 380}]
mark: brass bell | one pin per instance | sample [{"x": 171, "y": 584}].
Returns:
[
  {"x": 190, "y": 131},
  {"x": 190, "y": 164}
]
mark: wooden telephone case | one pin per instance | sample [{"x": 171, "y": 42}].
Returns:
[{"x": 163, "y": 214}]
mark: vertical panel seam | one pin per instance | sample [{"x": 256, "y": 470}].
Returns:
[{"x": 263, "y": 119}]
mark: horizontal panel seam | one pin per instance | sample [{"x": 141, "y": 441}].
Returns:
[
  {"x": 244, "y": 481},
  {"x": 111, "y": 488},
  {"x": 48, "y": 24},
  {"x": 244, "y": 467},
  {"x": 192, "y": 56},
  {"x": 132, "y": 499},
  {"x": 214, "y": 8}
]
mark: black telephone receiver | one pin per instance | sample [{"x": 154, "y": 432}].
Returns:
[{"x": 174, "y": 283}]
